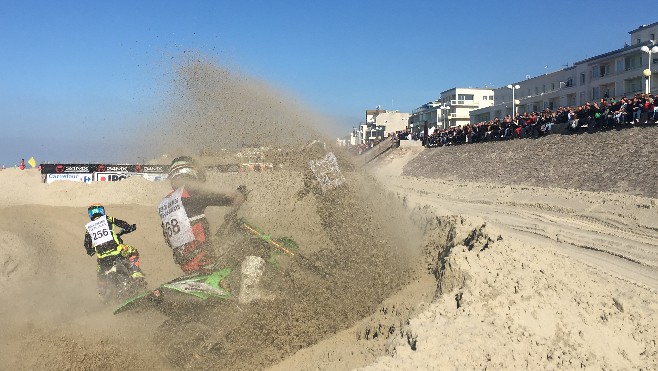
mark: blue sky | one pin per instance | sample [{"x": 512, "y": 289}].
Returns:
[{"x": 76, "y": 77}]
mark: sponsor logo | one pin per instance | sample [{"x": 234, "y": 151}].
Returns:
[
  {"x": 59, "y": 168},
  {"x": 85, "y": 178},
  {"x": 111, "y": 177},
  {"x": 116, "y": 168},
  {"x": 100, "y": 168},
  {"x": 155, "y": 169},
  {"x": 76, "y": 169}
]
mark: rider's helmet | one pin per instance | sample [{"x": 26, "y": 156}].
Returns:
[
  {"x": 184, "y": 167},
  {"x": 95, "y": 211}
]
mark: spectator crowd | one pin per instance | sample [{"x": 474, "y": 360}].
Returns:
[{"x": 605, "y": 114}]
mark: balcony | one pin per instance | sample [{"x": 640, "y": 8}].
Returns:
[
  {"x": 464, "y": 103},
  {"x": 454, "y": 115}
]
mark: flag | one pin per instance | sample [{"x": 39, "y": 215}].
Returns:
[{"x": 32, "y": 162}]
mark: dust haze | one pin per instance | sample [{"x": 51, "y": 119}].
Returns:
[{"x": 358, "y": 235}]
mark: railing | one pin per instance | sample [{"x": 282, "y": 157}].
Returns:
[
  {"x": 462, "y": 102},
  {"x": 378, "y": 149}
]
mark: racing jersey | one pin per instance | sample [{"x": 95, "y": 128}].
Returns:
[
  {"x": 101, "y": 239},
  {"x": 184, "y": 224}
]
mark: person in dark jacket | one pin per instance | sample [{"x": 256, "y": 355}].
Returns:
[{"x": 102, "y": 240}]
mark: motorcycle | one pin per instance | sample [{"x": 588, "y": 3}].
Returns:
[
  {"x": 115, "y": 282},
  {"x": 177, "y": 297},
  {"x": 180, "y": 294}
]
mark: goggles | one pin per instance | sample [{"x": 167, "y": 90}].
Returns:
[
  {"x": 183, "y": 170},
  {"x": 96, "y": 210}
]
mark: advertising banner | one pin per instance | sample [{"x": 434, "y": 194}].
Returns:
[
  {"x": 77, "y": 177},
  {"x": 117, "y": 176},
  {"x": 101, "y": 168},
  {"x": 101, "y": 172}
]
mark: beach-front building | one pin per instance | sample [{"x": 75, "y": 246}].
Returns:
[
  {"x": 379, "y": 123},
  {"x": 620, "y": 72},
  {"x": 452, "y": 108}
]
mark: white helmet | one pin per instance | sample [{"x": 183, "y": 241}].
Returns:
[{"x": 184, "y": 166}]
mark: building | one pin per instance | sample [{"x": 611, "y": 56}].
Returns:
[
  {"x": 432, "y": 113},
  {"x": 379, "y": 123},
  {"x": 451, "y": 109},
  {"x": 613, "y": 74},
  {"x": 392, "y": 121}
]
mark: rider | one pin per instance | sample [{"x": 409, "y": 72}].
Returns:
[
  {"x": 187, "y": 231},
  {"x": 184, "y": 223},
  {"x": 102, "y": 240}
]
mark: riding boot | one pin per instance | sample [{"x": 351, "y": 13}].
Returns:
[{"x": 251, "y": 272}]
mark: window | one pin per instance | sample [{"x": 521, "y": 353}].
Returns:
[
  {"x": 484, "y": 98},
  {"x": 465, "y": 97},
  {"x": 582, "y": 79},
  {"x": 603, "y": 70},
  {"x": 595, "y": 93},
  {"x": 633, "y": 85},
  {"x": 571, "y": 99},
  {"x": 491, "y": 97},
  {"x": 543, "y": 88},
  {"x": 638, "y": 41},
  {"x": 633, "y": 62},
  {"x": 552, "y": 87},
  {"x": 653, "y": 37},
  {"x": 536, "y": 90},
  {"x": 620, "y": 66}
]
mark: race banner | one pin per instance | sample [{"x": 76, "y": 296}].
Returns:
[
  {"x": 115, "y": 177},
  {"x": 101, "y": 172},
  {"x": 93, "y": 168},
  {"x": 77, "y": 177}
]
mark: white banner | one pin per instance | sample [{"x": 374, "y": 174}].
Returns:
[
  {"x": 72, "y": 177},
  {"x": 117, "y": 176}
]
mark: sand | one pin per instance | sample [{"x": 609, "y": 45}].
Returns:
[
  {"x": 528, "y": 254},
  {"x": 505, "y": 277},
  {"x": 53, "y": 315}
]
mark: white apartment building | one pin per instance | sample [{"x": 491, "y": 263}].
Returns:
[
  {"x": 392, "y": 120},
  {"x": 451, "y": 109},
  {"x": 613, "y": 74},
  {"x": 379, "y": 123}
]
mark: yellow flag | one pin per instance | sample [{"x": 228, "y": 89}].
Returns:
[{"x": 32, "y": 162}]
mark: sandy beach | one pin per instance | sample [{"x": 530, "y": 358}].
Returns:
[
  {"x": 527, "y": 277},
  {"x": 484, "y": 275}
]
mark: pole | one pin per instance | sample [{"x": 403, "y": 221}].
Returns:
[
  {"x": 649, "y": 77},
  {"x": 513, "y": 104}
]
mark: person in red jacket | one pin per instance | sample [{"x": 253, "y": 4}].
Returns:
[{"x": 184, "y": 224}]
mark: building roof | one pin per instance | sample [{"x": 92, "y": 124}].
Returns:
[
  {"x": 643, "y": 26},
  {"x": 613, "y": 52},
  {"x": 457, "y": 88}
]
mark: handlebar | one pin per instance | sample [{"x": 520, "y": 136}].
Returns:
[{"x": 133, "y": 227}]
